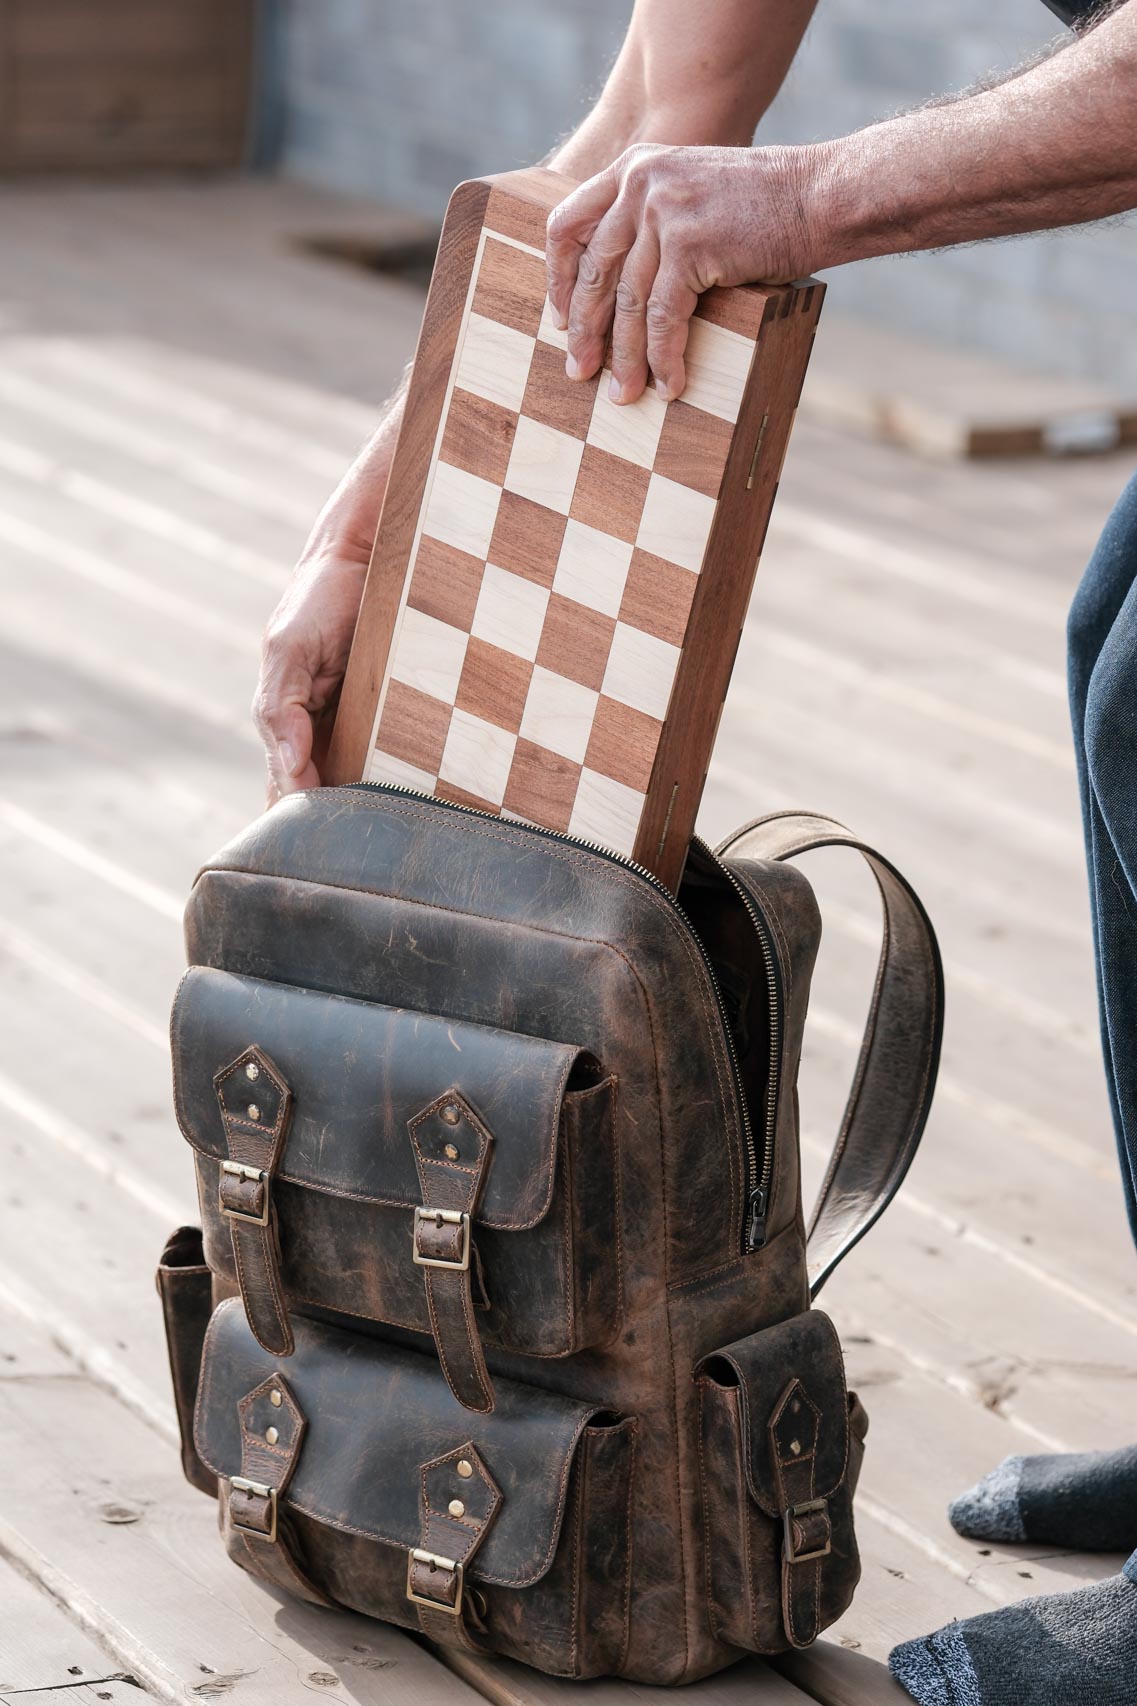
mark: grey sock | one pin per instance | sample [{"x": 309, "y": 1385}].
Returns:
[
  {"x": 1085, "y": 1500},
  {"x": 1069, "y": 1649}
]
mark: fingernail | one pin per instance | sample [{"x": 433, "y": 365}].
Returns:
[
  {"x": 615, "y": 390},
  {"x": 573, "y": 368},
  {"x": 663, "y": 390},
  {"x": 560, "y": 321},
  {"x": 287, "y": 758}
]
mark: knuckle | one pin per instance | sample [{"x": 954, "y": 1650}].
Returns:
[{"x": 628, "y": 299}]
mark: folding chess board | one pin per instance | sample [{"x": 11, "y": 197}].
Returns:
[{"x": 559, "y": 582}]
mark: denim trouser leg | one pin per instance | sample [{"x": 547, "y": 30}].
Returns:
[{"x": 1102, "y": 637}]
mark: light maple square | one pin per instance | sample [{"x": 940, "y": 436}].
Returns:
[
  {"x": 630, "y": 430},
  {"x": 558, "y": 714},
  {"x": 543, "y": 465},
  {"x": 641, "y": 671},
  {"x": 717, "y": 362},
  {"x": 607, "y": 812},
  {"x": 676, "y": 523},
  {"x": 384, "y": 767},
  {"x": 461, "y": 509},
  {"x": 548, "y": 331},
  {"x": 494, "y": 361},
  {"x": 429, "y": 655},
  {"x": 477, "y": 757},
  {"x": 592, "y": 568},
  {"x": 510, "y": 612}
]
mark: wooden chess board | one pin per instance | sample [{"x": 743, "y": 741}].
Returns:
[{"x": 559, "y": 582}]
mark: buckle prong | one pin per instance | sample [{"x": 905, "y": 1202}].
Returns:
[
  {"x": 439, "y": 1217},
  {"x": 436, "y": 1562}
]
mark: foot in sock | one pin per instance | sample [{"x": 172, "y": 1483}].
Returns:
[
  {"x": 1067, "y": 1649},
  {"x": 1085, "y": 1501}
]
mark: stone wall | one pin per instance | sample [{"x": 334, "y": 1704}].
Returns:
[{"x": 402, "y": 98}]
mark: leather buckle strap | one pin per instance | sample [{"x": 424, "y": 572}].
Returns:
[
  {"x": 439, "y": 1219},
  {"x": 452, "y": 1150},
  {"x": 458, "y": 1501},
  {"x": 448, "y": 1595},
  {"x": 256, "y": 1534},
  {"x": 255, "y": 1105},
  {"x": 807, "y": 1532},
  {"x": 794, "y": 1429}
]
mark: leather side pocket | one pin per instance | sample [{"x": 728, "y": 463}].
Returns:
[
  {"x": 184, "y": 1286},
  {"x": 574, "y": 1621},
  {"x": 780, "y": 1448}
]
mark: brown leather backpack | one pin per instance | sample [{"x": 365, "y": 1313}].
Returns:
[{"x": 499, "y": 1327}]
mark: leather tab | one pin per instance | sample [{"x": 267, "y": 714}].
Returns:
[
  {"x": 256, "y": 1532},
  {"x": 452, "y": 1150},
  {"x": 458, "y": 1501},
  {"x": 256, "y": 1105},
  {"x": 794, "y": 1429}
]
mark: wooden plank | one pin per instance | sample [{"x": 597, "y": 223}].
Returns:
[
  {"x": 107, "y": 1689},
  {"x": 92, "y": 1505},
  {"x": 507, "y": 1684},
  {"x": 42, "y": 1650}
]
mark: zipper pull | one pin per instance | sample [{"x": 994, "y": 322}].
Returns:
[{"x": 756, "y": 1220}]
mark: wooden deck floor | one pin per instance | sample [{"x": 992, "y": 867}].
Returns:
[{"x": 178, "y": 392}]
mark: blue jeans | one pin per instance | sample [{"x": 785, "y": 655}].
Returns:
[
  {"x": 1102, "y": 663},
  {"x": 1102, "y": 654}
]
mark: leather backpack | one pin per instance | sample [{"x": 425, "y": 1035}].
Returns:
[{"x": 499, "y": 1323}]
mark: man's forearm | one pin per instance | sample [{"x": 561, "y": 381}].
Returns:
[
  {"x": 1054, "y": 146},
  {"x": 690, "y": 71}
]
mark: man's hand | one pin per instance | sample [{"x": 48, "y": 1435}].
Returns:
[
  {"x": 308, "y": 637},
  {"x": 631, "y": 250}
]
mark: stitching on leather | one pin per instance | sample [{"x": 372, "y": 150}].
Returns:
[
  {"x": 618, "y": 1195},
  {"x": 628, "y": 1543},
  {"x": 577, "y": 1544},
  {"x": 607, "y": 877},
  {"x": 705, "y": 1502}
]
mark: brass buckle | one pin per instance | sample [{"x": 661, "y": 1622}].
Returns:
[
  {"x": 436, "y": 1562},
  {"x": 240, "y": 1484},
  {"x": 258, "y": 1176},
  {"x": 791, "y": 1555},
  {"x": 443, "y": 1217}
]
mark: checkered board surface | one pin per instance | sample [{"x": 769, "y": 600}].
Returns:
[{"x": 557, "y": 553}]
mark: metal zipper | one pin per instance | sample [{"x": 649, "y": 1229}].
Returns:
[{"x": 758, "y": 1176}]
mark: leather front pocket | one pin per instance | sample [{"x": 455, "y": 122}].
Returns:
[
  {"x": 509, "y": 1139},
  {"x": 781, "y": 1443},
  {"x": 506, "y": 1533}
]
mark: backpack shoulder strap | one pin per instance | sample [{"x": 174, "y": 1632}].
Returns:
[{"x": 896, "y": 1073}]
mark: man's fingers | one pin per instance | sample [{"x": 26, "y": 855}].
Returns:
[
  {"x": 669, "y": 310},
  {"x": 282, "y": 718},
  {"x": 568, "y": 232},
  {"x": 593, "y": 300},
  {"x": 629, "y": 323}
]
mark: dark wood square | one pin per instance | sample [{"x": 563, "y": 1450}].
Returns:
[
  {"x": 413, "y": 727},
  {"x": 493, "y": 685},
  {"x": 527, "y": 539},
  {"x": 623, "y": 743},
  {"x": 510, "y": 287},
  {"x": 550, "y": 397},
  {"x": 445, "y": 583},
  {"x": 609, "y": 494},
  {"x": 693, "y": 448},
  {"x": 657, "y": 597},
  {"x": 478, "y": 436},
  {"x": 575, "y": 641},
  {"x": 542, "y": 786}
]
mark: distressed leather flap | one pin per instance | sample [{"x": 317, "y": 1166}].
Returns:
[
  {"x": 377, "y": 1417},
  {"x": 359, "y": 1072},
  {"x": 797, "y": 1363}
]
